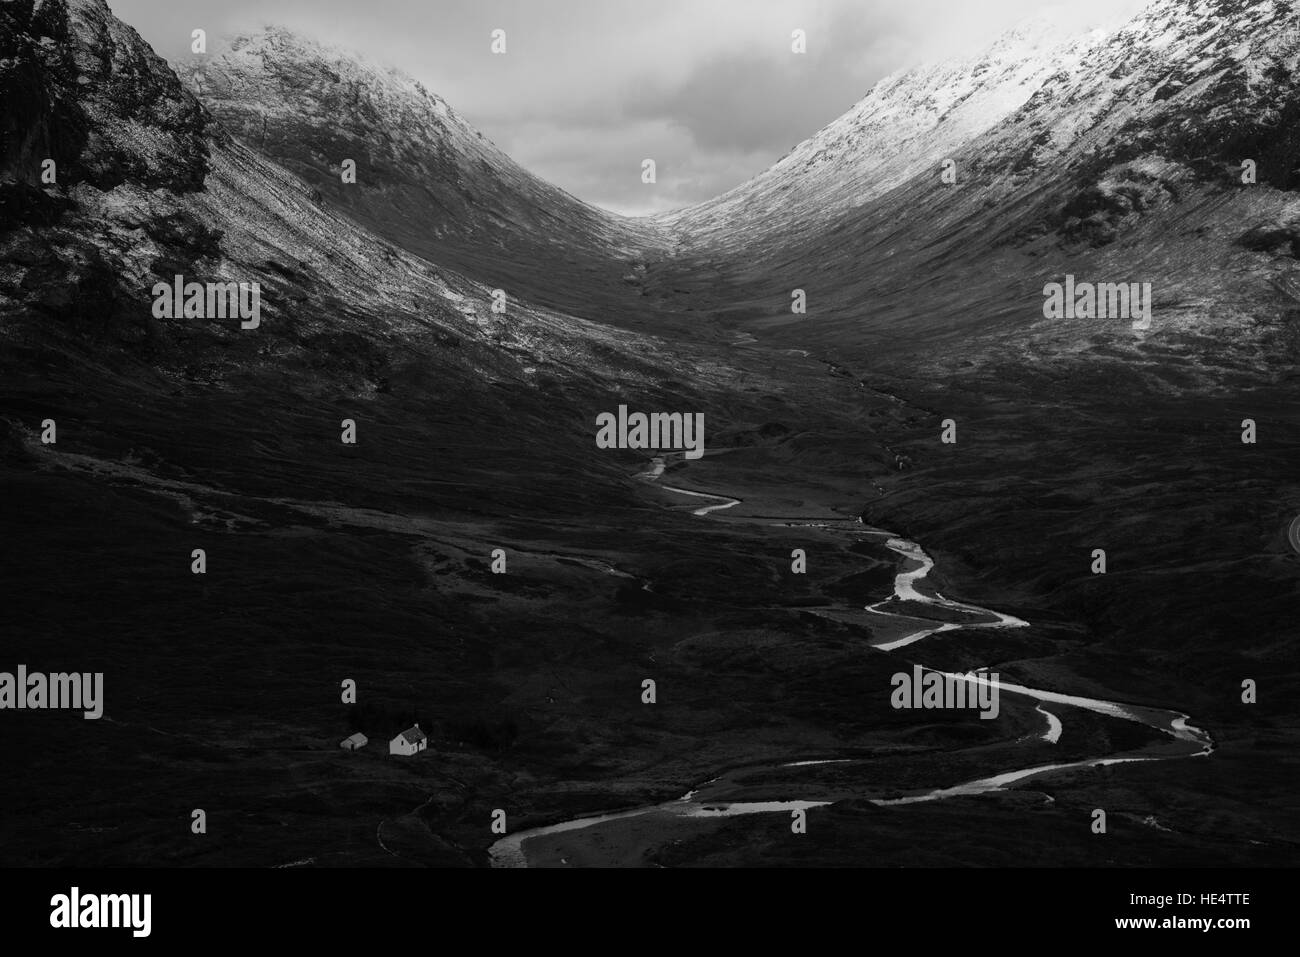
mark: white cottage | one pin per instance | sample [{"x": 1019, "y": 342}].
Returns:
[
  {"x": 354, "y": 742},
  {"x": 409, "y": 741}
]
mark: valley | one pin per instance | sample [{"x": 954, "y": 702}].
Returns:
[{"x": 479, "y": 561}]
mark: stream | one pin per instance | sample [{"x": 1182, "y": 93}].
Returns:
[{"x": 1186, "y": 740}]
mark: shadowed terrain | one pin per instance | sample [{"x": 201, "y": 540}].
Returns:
[{"x": 1114, "y": 157}]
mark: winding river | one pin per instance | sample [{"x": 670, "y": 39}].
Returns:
[{"x": 1185, "y": 740}]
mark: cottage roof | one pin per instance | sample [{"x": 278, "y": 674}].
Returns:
[{"x": 413, "y": 735}]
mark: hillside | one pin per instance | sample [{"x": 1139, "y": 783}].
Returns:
[
  {"x": 1089, "y": 154},
  {"x": 1110, "y": 157},
  {"x": 425, "y": 179}
]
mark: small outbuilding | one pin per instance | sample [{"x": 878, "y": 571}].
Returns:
[
  {"x": 409, "y": 741},
  {"x": 354, "y": 742}
]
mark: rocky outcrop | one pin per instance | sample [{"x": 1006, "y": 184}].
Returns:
[
  {"x": 84, "y": 90},
  {"x": 1280, "y": 238},
  {"x": 1099, "y": 212},
  {"x": 101, "y": 143}
]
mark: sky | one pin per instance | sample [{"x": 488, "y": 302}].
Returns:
[{"x": 587, "y": 89}]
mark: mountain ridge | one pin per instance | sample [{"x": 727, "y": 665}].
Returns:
[{"x": 425, "y": 178}]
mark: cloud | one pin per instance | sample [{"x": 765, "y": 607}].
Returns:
[{"x": 761, "y": 100}]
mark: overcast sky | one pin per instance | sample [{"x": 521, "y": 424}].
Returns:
[{"x": 589, "y": 88}]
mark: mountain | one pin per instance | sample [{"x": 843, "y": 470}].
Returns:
[
  {"x": 908, "y": 123},
  {"x": 133, "y": 442},
  {"x": 475, "y": 562},
  {"x": 1069, "y": 155},
  {"x": 425, "y": 179},
  {"x": 1200, "y": 83},
  {"x": 1117, "y": 159}
]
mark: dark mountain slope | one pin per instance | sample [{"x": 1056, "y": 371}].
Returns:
[{"x": 325, "y": 560}]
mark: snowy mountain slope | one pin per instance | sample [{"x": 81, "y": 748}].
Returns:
[
  {"x": 1191, "y": 78},
  {"x": 425, "y": 179},
  {"x": 909, "y": 122},
  {"x": 1188, "y": 78},
  {"x": 1123, "y": 158},
  {"x": 1189, "y": 89},
  {"x": 1057, "y": 143},
  {"x": 149, "y": 186}
]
